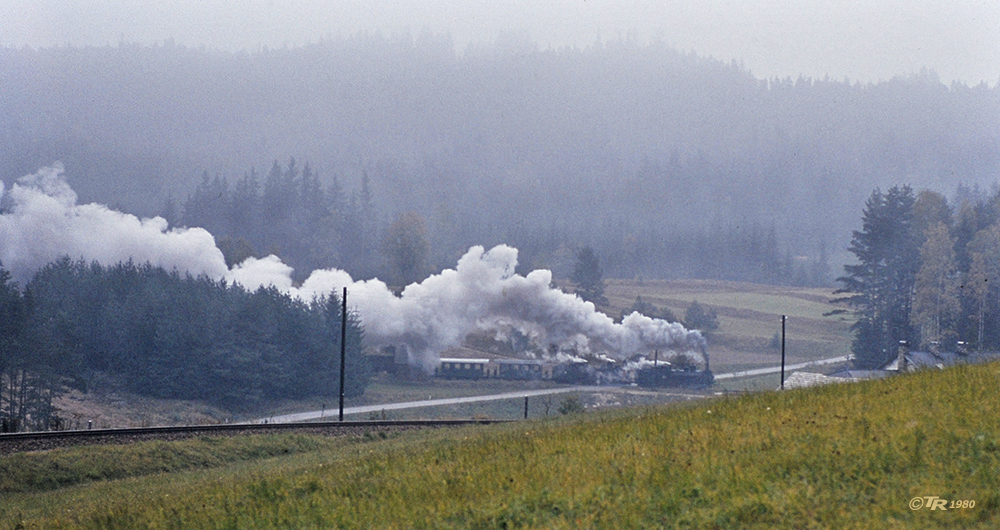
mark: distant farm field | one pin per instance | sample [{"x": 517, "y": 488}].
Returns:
[
  {"x": 876, "y": 454},
  {"x": 749, "y": 316}
]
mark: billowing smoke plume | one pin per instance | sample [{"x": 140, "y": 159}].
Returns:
[
  {"x": 483, "y": 292},
  {"x": 43, "y": 222}
]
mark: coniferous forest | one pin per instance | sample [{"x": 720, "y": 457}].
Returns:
[
  {"x": 289, "y": 213},
  {"x": 165, "y": 334},
  {"x": 926, "y": 274}
]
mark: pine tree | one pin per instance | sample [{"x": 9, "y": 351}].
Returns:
[
  {"x": 588, "y": 277},
  {"x": 405, "y": 246},
  {"x": 207, "y": 206},
  {"x": 244, "y": 210},
  {"x": 701, "y": 317},
  {"x": 881, "y": 283}
]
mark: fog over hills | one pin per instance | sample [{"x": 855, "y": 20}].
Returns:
[{"x": 645, "y": 153}]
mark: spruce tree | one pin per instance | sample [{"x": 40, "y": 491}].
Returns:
[
  {"x": 881, "y": 283},
  {"x": 588, "y": 277}
]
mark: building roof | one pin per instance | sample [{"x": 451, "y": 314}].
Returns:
[
  {"x": 926, "y": 359},
  {"x": 463, "y": 360},
  {"x": 517, "y": 361},
  {"x": 459, "y": 352}
]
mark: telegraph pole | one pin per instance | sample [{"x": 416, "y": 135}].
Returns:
[
  {"x": 783, "y": 351},
  {"x": 343, "y": 348}
]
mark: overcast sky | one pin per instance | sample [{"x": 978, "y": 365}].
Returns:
[{"x": 864, "y": 40}]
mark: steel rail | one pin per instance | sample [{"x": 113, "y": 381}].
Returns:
[{"x": 236, "y": 427}]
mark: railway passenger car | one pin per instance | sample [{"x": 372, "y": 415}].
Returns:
[
  {"x": 520, "y": 369},
  {"x": 462, "y": 368},
  {"x": 517, "y": 369}
]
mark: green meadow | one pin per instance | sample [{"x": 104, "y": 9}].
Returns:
[
  {"x": 852, "y": 455},
  {"x": 749, "y": 316}
]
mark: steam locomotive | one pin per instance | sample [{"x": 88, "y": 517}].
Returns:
[{"x": 594, "y": 372}]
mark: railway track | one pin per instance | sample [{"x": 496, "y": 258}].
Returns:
[{"x": 37, "y": 441}]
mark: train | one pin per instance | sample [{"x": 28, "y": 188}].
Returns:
[
  {"x": 517, "y": 369},
  {"x": 579, "y": 372}
]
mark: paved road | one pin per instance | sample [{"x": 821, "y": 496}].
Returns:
[
  {"x": 777, "y": 369},
  {"x": 332, "y": 413}
]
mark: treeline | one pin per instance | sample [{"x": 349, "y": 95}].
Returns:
[
  {"x": 750, "y": 253},
  {"x": 927, "y": 274},
  {"x": 289, "y": 213},
  {"x": 143, "y": 329}
]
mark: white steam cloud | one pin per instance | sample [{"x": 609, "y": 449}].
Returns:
[{"x": 42, "y": 222}]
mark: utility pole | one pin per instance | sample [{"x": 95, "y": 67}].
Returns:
[
  {"x": 783, "y": 351},
  {"x": 343, "y": 348}
]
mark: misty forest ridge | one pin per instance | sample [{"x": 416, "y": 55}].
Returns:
[{"x": 668, "y": 164}]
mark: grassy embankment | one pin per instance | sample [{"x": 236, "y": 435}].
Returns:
[
  {"x": 843, "y": 456},
  {"x": 52, "y": 470}
]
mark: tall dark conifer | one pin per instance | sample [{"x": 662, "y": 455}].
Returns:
[
  {"x": 588, "y": 277},
  {"x": 880, "y": 285}
]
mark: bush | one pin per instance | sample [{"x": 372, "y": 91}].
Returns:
[
  {"x": 570, "y": 405},
  {"x": 648, "y": 309},
  {"x": 775, "y": 343},
  {"x": 701, "y": 317}
]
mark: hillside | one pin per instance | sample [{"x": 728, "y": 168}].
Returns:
[
  {"x": 749, "y": 316},
  {"x": 842, "y": 456}
]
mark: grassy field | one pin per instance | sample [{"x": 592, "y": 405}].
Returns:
[
  {"x": 841, "y": 456},
  {"x": 749, "y": 316}
]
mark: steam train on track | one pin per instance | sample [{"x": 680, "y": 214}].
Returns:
[{"x": 658, "y": 374}]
